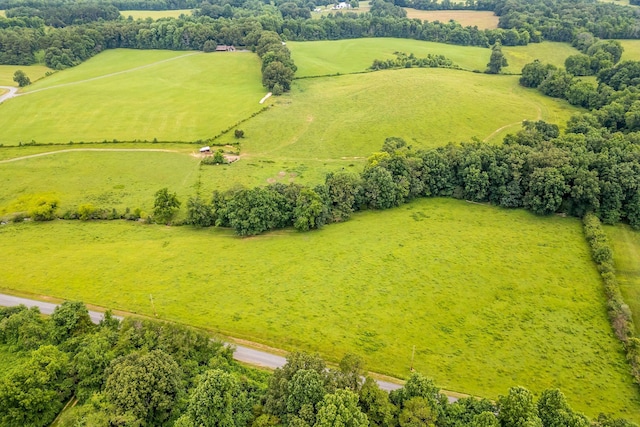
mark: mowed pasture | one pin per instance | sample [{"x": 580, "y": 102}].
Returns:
[
  {"x": 350, "y": 116},
  {"x": 34, "y": 72},
  {"x": 155, "y": 14},
  {"x": 490, "y": 298},
  {"x": 137, "y": 95},
  {"x": 625, "y": 243},
  {"x": 355, "y": 55},
  {"x": 548, "y": 52},
  {"x": 484, "y": 20}
]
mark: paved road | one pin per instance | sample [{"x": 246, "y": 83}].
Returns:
[
  {"x": 242, "y": 353},
  {"x": 12, "y": 93}
]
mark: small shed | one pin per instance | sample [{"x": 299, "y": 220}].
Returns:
[
  {"x": 225, "y": 48},
  {"x": 206, "y": 149}
]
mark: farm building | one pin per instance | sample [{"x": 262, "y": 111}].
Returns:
[{"x": 225, "y": 48}]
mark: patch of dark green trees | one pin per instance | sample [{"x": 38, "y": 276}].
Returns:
[{"x": 142, "y": 373}]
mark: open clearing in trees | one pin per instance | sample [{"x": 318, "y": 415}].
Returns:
[
  {"x": 505, "y": 295},
  {"x": 155, "y": 14}
]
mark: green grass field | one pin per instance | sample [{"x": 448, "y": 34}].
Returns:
[
  {"x": 548, "y": 52},
  {"x": 131, "y": 94},
  {"x": 104, "y": 179},
  {"x": 427, "y": 107},
  {"x": 490, "y": 298},
  {"x": 626, "y": 254},
  {"x": 154, "y": 14},
  {"x": 34, "y": 72},
  {"x": 121, "y": 179},
  {"x": 355, "y": 55},
  {"x": 631, "y": 50},
  {"x": 473, "y": 18}
]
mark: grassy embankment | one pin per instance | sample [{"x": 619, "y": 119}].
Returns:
[
  {"x": 133, "y": 94},
  {"x": 155, "y": 14},
  {"x": 473, "y": 18},
  {"x": 34, "y": 72},
  {"x": 491, "y": 298},
  {"x": 626, "y": 254}
]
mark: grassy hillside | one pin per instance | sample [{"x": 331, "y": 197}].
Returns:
[
  {"x": 154, "y": 14},
  {"x": 354, "y": 55},
  {"x": 548, "y": 52},
  {"x": 34, "y": 72},
  {"x": 473, "y": 18},
  {"x": 350, "y": 116},
  {"x": 129, "y": 94},
  {"x": 626, "y": 254},
  {"x": 508, "y": 296}
]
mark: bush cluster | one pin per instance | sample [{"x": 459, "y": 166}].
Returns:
[
  {"x": 619, "y": 313},
  {"x": 411, "y": 61}
]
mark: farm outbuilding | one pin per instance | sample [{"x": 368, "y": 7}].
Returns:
[
  {"x": 225, "y": 48},
  {"x": 206, "y": 149}
]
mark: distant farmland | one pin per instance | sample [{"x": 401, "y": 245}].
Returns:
[
  {"x": 155, "y": 14},
  {"x": 471, "y": 18}
]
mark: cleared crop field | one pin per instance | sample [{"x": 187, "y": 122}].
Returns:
[
  {"x": 548, "y": 52},
  {"x": 128, "y": 95},
  {"x": 355, "y": 55},
  {"x": 350, "y": 116},
  {"x": 34, "y": 72},
  {"x": 472, "y": 18},
  {"x": 505, "y": 295},
  {"x": 626, "y": 255},
  {"x": 154, "y": 14}
]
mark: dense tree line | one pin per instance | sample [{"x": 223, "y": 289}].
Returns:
[
  {"x": 614, "y": 102},
  {"x": 402, "y": 60},
  {"x": 537, "y": 169},
  {"x": 149, "y": 373},
  {"x": 447, "y": 4},
  {"x": 619, "y": 312},
  {"x": 120, "y": 4},
  {"x": 562, "y": 20},
  {"x": 67, "y": 14}
]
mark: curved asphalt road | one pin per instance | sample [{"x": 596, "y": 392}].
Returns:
[
  {"x": 11, "y": 94},
  {"x": 242, "y": 354}
]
